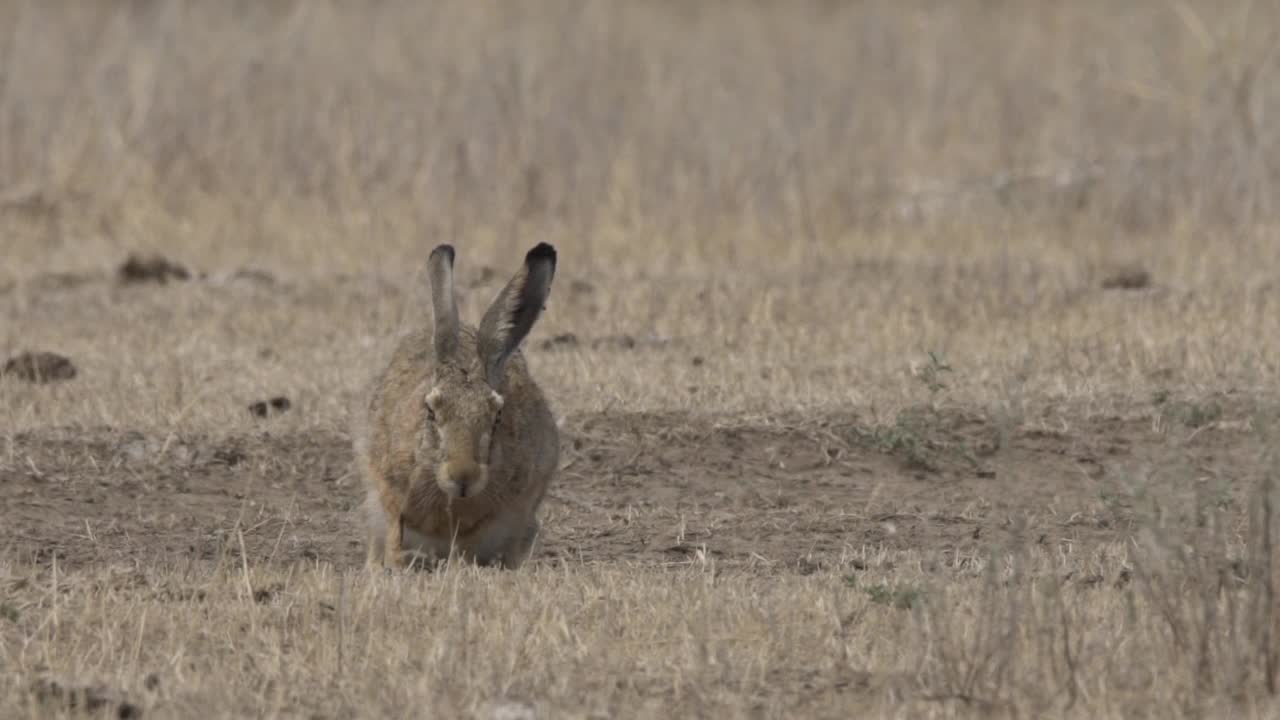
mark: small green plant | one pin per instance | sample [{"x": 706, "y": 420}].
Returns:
[
  {"x": 902, "y": 598},
  {"x": 1007, "y": 421},
  {"x": 1192, "y": 414},
  {"x": 902, "y": 440},
  {"x": 1113, "y": 501},
  {"x": 8, "y": 612},
  {"x": 931, "y": 374},
  {"x": 1198, "y": 415}
]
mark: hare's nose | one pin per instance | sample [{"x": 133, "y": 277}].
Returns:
[
  {"x": 462, "y": 479},
  {"x": 464, "y": 475}
]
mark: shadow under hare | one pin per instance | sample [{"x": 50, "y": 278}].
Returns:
[{"x": 458, "y": 444}]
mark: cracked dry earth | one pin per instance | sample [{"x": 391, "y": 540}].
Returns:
[{"x": 798, "y": 492}]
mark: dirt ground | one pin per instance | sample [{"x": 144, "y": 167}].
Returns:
[{"x": 638, "y": 488}]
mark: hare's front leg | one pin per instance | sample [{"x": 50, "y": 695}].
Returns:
[
  {"x": 385, "y": 538},
  {"x": 393, "y": 543},
  {"x": 520, "y": 547},
  {"x": 375, "y": 545},
  {"x": 386, "y": 526}
]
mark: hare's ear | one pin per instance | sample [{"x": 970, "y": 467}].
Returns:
[
  {"x": 443, "y": 306},
  {"x": 512, "y": 314}
]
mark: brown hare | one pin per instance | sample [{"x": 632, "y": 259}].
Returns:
[{"x": 459, "y": 445}]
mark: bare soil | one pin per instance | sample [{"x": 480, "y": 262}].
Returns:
[{"x": 644, "y": 488}]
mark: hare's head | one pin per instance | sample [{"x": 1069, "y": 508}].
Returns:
[{"x": 464, "y": 404}]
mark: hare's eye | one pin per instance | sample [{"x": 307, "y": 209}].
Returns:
[{"x": 431, "y": 414}]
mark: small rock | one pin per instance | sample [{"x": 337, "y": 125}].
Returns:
[
  {"x": 253, "y": 277},
  {"x": 153, "y": 268},
  {"x": 276, "y": 405},
  {"x": 563, "y": 340},
  {"x": 1131, "y": 277},
  {"x": 40, "y": 367},
  {"x": 623, "y": 342},
  {"x": 229, "y": 455}
]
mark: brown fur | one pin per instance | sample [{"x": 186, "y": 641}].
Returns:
[{"x": 419, "y": 471}]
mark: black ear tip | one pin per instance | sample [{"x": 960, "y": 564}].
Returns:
[
  {"x": 541, "y": 251},
  {"x": 445, "y": 250}
]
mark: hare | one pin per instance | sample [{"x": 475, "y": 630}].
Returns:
[{"x": 458, "y": 444}]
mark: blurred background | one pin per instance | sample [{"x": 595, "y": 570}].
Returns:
[
  {"x": 321, "y": 132},
  {"x": 757, "y": 205}
]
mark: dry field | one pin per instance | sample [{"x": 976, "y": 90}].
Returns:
[{"x": 914, "y": 359}]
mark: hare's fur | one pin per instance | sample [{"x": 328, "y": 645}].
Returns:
[{"x": 466, "y": 477}]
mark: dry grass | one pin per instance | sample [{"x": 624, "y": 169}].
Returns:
[
  {"x": 763, "y": 210},
  {"x": 884, "y": 635}
]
